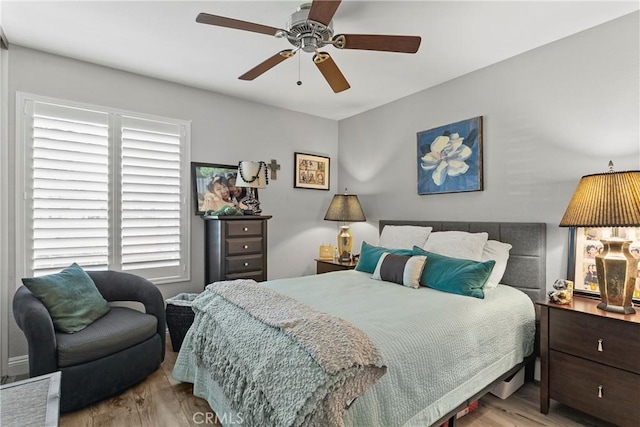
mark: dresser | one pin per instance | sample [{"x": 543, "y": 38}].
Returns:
[
  {"x": 590, "y": 360},
  {"x": 235, "y": 248}
]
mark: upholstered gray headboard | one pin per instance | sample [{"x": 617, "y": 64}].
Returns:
[{"x": 526, "y": 269}]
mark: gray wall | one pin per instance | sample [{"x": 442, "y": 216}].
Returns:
[
  {"x": 223, "y": 130},
  {"x": 551, "y": 115}
]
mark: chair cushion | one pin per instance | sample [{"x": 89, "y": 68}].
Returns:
[
  {"x": 119, "y": 329},
  {"x": 71, "y": 298}
]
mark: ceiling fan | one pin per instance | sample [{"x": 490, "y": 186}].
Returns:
[{"x": 310, "y": 29}]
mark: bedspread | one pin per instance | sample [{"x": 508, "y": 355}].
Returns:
[
  {"x": 251, "y": 338},
  {"x": 440, "y": 348}
]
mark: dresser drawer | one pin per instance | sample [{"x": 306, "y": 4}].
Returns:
[
  {"x": 248, "y": 245},
  {"x": 599, "y": 339},
  {"x": 258, "y": 276},
  {"x": 240, "y": 264},
  {"x": 605, "y": 392},
  {"x": 244, "y": 228}
]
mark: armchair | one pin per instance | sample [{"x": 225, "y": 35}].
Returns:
[{"x": 110, "y": 355}]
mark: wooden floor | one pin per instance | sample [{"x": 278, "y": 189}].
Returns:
[
  {"x": 161, "y": 401},
  {"x": 522, "y": 409},
  {"x": 158, "y": 401}
]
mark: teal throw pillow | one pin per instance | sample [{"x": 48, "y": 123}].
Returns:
[
  {"x": 453, "y": 275},
  {"x": 71, "y": 297},
  {"x": 369, "y": 256}
]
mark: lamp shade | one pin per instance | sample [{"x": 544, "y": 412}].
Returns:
[
  {"x": 345, "y": 208},
  {"x": 252, "y": 174},
  {"x": 610, "y": 199}
]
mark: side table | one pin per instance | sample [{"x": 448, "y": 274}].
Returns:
[
  {"x": 327, "y": 265},
  {"x": 589, "y": 360}
]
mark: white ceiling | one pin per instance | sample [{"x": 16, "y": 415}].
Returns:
[{"x": 161, "y": 39}]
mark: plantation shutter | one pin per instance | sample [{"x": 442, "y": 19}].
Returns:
[
  {"x": 70, "y": 188},
  {"x": 102, "y": 188},
  {"x": 151, "y": 195}
]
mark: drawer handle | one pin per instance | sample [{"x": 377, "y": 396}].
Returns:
[
  {"x": 245, "y": 229},
  {"x": 600, "y": 344},
  {"x": 246, "y": 264},
  {"x": 600, "y": 391},
  {"x": 246, "y": 246}
]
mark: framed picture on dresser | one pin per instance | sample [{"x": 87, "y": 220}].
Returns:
[
  {"x": 584, "y": 245},
  {"x": 214, "y": 186}
]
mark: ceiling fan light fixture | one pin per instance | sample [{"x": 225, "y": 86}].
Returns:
[
  {"x": 300, "y": 20},
  {"x": 309, "y": 44},
  {"x": 307, "y": 34},
  {"x": 309, "y": 29}
]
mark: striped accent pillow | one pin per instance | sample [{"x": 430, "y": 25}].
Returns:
[{"x": 403, "y": 269}]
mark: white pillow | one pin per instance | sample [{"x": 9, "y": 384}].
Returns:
[
  {"x": 457, "y": 244},
  {"x": 499, "y": 252},
  {"x": 403, "y": 236},
  {"x": 402, "y": 269}
]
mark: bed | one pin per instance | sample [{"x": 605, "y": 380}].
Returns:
[{"x": 440, "y": 350}]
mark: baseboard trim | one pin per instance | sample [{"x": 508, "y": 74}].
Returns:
[{"x": 18, "y": 365}]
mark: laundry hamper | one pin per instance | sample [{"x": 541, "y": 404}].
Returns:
[{"x": 179, "y": 317}]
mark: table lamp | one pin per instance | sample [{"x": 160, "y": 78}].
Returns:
[
  {"x": 610, "y": 199},
  {"x": 345, "y": 208},
  {"x": 252, "y": 175}
]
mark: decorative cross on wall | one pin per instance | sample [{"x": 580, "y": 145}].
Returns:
[{"x": 275, "y": 167}]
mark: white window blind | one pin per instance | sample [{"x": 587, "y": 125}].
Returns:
[
  {"x": 106, "y": 191},
  {"x": 151, "y": 193},
  {"x": 70, "y": 188}
]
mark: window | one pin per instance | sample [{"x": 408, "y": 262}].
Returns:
[{"x": 105, "y": 189}]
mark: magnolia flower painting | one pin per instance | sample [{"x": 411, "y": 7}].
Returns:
[{"x": 450, "y": 158}]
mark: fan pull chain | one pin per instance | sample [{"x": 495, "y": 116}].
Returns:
[{"x": 299, "y": 82}]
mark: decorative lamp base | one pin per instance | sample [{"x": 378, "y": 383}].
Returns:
[
  {"x": 345, "y": 243},
  {"x": 253, "y": 205},
  {"x": 616, "y": 269},
  {"x": 616, "y": 308}
]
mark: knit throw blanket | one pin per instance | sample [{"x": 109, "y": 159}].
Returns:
[{"x": 278, "y": 361}]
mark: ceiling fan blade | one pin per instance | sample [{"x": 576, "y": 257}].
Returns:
[
  {"x": 221, "y": 21},
  {"x": 265, "y": 66},
  {"x": 323, "y": 10},
  {"x": 403, "y": 44},
  {"x": 330, "y": 71}
]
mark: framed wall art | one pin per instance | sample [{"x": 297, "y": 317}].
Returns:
[
  {"x": 214, "y": 187},
  {"x": 311, "y": 171},
  {"x": 584, "y": 245},
  {"x": 450, "y": 158}
]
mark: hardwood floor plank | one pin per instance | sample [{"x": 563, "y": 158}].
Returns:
[
  {"x": 522, "y": 409},
  {"x": 161, "y": 401},
  {"x": 77, "y": 419},
  {"x": 194, "y": 407},
  {"x": 118, "y": 411},
  {"x": 160, "y": 408}
]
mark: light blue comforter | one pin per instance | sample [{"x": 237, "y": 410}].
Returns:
[{"x": 439, "y": 348}]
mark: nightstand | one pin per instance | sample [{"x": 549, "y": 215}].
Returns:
[
  {"x": 590, "y": 360},
  {"x": 327, "y": 265}
]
